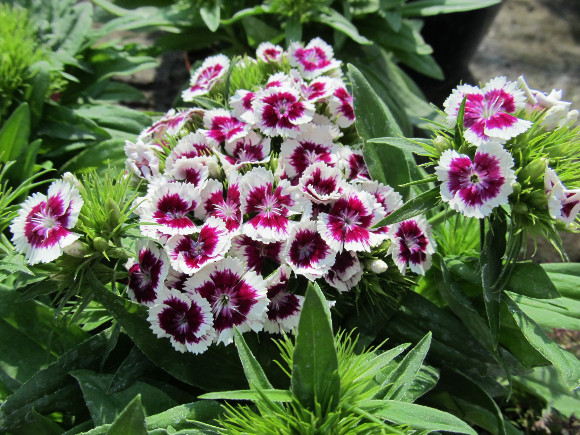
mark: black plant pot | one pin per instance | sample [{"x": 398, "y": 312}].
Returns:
[{"x": 454, "y": 38}]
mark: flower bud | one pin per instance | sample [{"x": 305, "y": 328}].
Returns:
[
  {"x": 76, "y": 249},
  {"x": 519, "y": 207},
  {"x": 534, "y": 170},
  {"x": 517, "y": 188},
  {"x": 101, "y": 244},
  {"x": 377, "y": 266},
  {"x": 114, "y": 212},
  {"x": 440, "y": 144}
]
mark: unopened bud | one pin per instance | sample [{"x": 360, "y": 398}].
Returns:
[
  {"x": 69, "y": 178},
  {"x": 517, "y": 188},
  {"x": 520, "y": 207},
  {"x": 101, "y": 244},
  {"x": 440, "y": 144},
  {"x": 76, "y": 249},
  {"x": 114, "y": 212},
  {"x": 534, "y": 170},
  {"x": 377, "y": 266}
]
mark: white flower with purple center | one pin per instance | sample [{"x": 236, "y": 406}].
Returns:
[
  {"x": 313, "y": 144},
  {"x": 148, "y": 273},
  {"x": 321, "y": 183},
  {"x": 142, "y": 158},
  {"x": 267, "y": 205},
  {"x": 256, "y": 255},
  {"x": 319, "y": 88},
  {"x": 284, "y": 308},
  {"x": 411, "y": 245},
  {"x": 241, "y": 104},
  {"x": 563, "y": 204},
  {"x": 42, "y": 228},
  {"x": 268, "y": 52},
  {"x": 171, "y": 123},
  {"x": 346, "y": 272},
  {"x": 348, "y": 223},
  {"x": 223, "y": 127},
  {"x": 185, "y": 319},
  {"x": 313, "y": 60},
  {"x": 475, "y": 187},
  {"x": 171, "y": 207},
  {"x": 237, "y": 296},
  {"x": 353, "y": 164},
  {"x": 190, "y": 253},
  {"x": 193, "y": 171},
  {"x": 252, "y": 149},
  {"x": 341, "y": 106},
  {"x": 306, "y": 251},
  {"x": 489, "y": 112},
  {"x": 281, "y": 111},
  {"x": 226, "y": 207},
  {"x": 206, "y": 76},
  {"x": 191, "y": 146}
]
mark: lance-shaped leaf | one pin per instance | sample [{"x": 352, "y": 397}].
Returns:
[
  {"x": 254, "y": 372},
  {"x": 315, "y": 379},
  {"x": 131, "y": 421}
]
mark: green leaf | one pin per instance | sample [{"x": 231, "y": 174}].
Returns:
[
  {"x": 39, "y": 83},
  {"x": 530, "y": 279},
  {"x": 315, "y": 380},
  {"x": 14, "y": 133},
  {"x": 131, "y": 421},
  {"x": 566, "y": 363},
  {"x": 257, "y": 31},
  {"x": 418, "y": 205},
  {"x": 203, "y": 410},
  {"x": 210, "y": 13},
  {"x": 373, "y": 118},
  {"x": 551, "y": 313},
  {"x": 387, "y": 165},
  {"x": 491, "y": 269},
  {"x": 64, "y": 123},
  {"x": 425, "y": 8},
  {"x": 408, "y": 144},
  {"x": 131, "y": 369},
  {"x": 100, "y": 156},
  {"x": 187, "y": 367},
  {"x": 566, "y": 278},
  {"x": 417, "y": 416},
  {"x": 105, "y": 407},
  {"x": 52, "y": 389},
  {"x": 272, "y": 394},
  {"x": 334, "y": 19},
  {"x": 397, "y": 383},
  {"x": 423, "y": 63},
  {"x": 293, "y": 29},
  {"x": 254, "y": 372}
]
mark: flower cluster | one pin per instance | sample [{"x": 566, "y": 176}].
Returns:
[
  {"x": 511, "y": 134},
  {"x": 248, "y": 200}
]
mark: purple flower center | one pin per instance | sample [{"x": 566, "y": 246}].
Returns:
[
  {"x": 47, "y": 223},
  {"x": 181, "y": 320},
  {"x": 412, "y": 242}
]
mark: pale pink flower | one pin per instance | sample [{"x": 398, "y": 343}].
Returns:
[{"x": 563, "y": 204}]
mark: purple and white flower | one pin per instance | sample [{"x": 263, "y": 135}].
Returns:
[
  {"x": 185, "y": 319},
  {"x": 319, "y": 88},
  {"x": 283, "y": 312},
  {"x": 489, "y": 112},
  {"x": 313, "y": 60},
  {"x": 147, "y": 274},
  {"x": 475, "y": 187},
  {"x": 190, "y": 253},
  {"x": 346, "y": 272},
  {"x": 223, "y": 127},
  {"x": 353, "y": 164},
  {"x": 193, "y": 171},
  {"x": 170, "y": 206},
  {"x": 212, "y": 70},
  {"x": 563, "y": 204},
  {"x": 268, "y": 206},
  {"x": 281, "y": 111},
  {"x": 252, "y": 149},
  {"x": 313, "y": 144},
  {"x": 341, "y": 106},
  {"x": 237, "y": 296},
  {"x": 348, "y": 223},
  {"x": 306, "y": 251},
  {"x": 255, "y": 254},
  {"x": 43, "y": 225},
  {"x": 321, "y": 183},
  {"x": 412, "y": 245},
  {"x": 268, "y": 52},
  {"x": 241, "y": 103},
  {"x": 226, "y": 207},
  {"x": 170, "y": 124},
  {"x": 142, "y": 158}
]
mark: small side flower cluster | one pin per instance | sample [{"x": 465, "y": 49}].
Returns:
[
  {"x": 511, "y": 136},
  {"x": 247, "y": 203}
]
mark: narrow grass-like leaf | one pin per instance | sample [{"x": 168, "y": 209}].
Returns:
[
  {"x": 332, "y": 18},
  {"x": 426, "y": 8},
  {"x": 203, "y": 410},
  {"x": 315, "y": 380},
  {"x": 417, "y": 416},
  {"x": 272, "y": 394},
  {"x": 566, "y": 363},
  {"x": 420, "y": 204},
  {"x": 254, "y": 373},
  {"x": 408, "y": 144}
]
